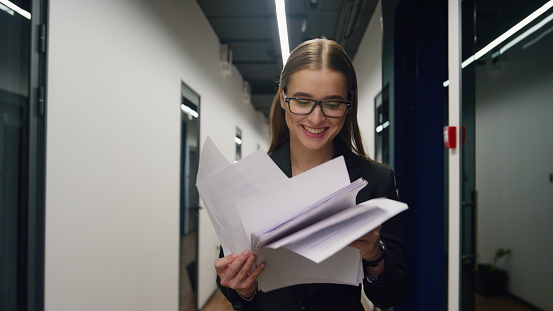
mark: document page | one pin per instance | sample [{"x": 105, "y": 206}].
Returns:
[
  {"x": 271, "y": 207},
  {"x": 222, "y": 184},
  {"x": 323, "y": 239},
  {"x": 286, "y": 268},
  {"x": 300, "y": 226},
  {"x": 336, "y": 202}
]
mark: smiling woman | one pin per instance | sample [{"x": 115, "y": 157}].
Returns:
[{"x": 313, "y": 120}]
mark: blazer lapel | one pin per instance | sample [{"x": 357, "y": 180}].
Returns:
[{"x": 281, "y": 157}]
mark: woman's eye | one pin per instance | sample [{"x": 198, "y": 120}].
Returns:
[{"x": 332, "y": 105}]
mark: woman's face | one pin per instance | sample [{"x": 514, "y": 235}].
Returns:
[{"x": 314, "y": 131}]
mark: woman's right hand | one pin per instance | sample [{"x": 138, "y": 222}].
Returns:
[{"x": 235, "y": 272}]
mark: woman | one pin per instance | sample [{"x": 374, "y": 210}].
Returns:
[{"x": 314, "y": 119}]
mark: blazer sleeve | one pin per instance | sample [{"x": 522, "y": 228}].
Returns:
[
  {"x": 389, "y": 287},
  {"x": 237, "y": 302}
]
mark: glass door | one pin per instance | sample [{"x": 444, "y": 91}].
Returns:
[
  {"x": 507, "y": 184},
  {"x": 468, "y": 187},
  {"x": 189, "y": 198},
  {"x": 22, "y": 120}
]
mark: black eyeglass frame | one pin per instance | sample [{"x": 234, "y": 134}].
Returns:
[{"x": 317, "y": 103}]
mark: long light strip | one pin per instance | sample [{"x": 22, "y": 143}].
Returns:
[
  {"x": 538, "y": 38},
  {"x": 6, "y": 9},
  {"x": 283, "y": 30},
  {"x": 17, "y": 9},
  {"x": 526, "y": 34},
  {"x": 508, "y": 33}
]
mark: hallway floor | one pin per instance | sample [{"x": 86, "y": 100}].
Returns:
[
  {"x": 501, "y": 303},
  {"x": 218, "y": 302}
]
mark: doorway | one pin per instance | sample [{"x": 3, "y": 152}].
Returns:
[
  {"x": 506, "y": 161},
  {"x": 189, "y": 198}
]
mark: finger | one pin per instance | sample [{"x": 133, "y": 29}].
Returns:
[
  {"x": 371, "y": 235},
  {"x": 247, "y": 267},
  {"x": 359, "y": 244},
  {"x": 255, "y": 273},
  {"x": 236, "y": 266},
  {"x": 224, "y": 262},
  {"x": 250, "y": 283}
]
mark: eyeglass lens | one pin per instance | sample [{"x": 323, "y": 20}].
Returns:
[{"x": 305, "y": 106}]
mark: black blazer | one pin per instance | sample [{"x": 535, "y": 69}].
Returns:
[{"x": 384, "y": 293}]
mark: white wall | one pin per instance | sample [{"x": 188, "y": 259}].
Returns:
[
  {"x": 514, "y": 152},
  {"x": 113, "y": 144},
  {"x": 368, "y": 65}
]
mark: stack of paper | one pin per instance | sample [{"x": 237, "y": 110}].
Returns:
[{"x": 300, "y": 227}]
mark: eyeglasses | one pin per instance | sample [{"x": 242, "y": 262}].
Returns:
[{"x": 330, "y": 108}]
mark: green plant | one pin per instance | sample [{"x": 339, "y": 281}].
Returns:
[
  {"x": 500, "y": 253},
  {"x": 490, "y": 280}
]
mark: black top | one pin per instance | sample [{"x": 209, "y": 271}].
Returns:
[{"x": 384, "y": 293}]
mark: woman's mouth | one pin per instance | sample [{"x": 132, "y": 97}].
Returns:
[{"x": 314, "y": 130}]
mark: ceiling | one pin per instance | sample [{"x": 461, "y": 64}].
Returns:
[{"x": 249, "y": 28}]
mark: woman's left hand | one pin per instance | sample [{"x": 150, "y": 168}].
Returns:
[{"x": 368, "y": 244}]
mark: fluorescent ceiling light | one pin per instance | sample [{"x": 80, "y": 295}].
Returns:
[
  {"x": 508, "y": 33},
  {"x": 15, "y": 8},
  {"x": 189, "y": 111},
  {"x": 283, "y": 30},
  {"x": 237, "y": 140}
]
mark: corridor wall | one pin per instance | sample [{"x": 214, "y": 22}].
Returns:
[
  {"x": 113, "y": 149},
  {"x": 368, "y": 65}
]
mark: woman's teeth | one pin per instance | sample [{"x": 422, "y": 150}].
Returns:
[{"x": 313, "y": 130}]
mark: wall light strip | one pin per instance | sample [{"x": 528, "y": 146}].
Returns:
[
  {"x": 538, "y": 38},
  {"x": 468, "y": 61},
  {"x": 6, "y": 9},
  {"x": 17, "y": 9},
  {"x": 526, "y": 34},
  {"x": 508, "y": 33},
  {"x": 283, "y": 30}
]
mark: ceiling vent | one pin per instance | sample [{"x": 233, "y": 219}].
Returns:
[{"x": 225, "y": 58}]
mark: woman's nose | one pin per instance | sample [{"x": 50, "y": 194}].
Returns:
[{"x": 317, "y": 115}]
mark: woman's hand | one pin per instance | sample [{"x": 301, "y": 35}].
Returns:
[
  {"x": 235, "y": 272},
  {"x": 368, "y": 244}
]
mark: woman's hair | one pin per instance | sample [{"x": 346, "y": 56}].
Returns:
[{"x": 318, "y": 54}]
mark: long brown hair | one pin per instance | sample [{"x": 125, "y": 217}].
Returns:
[{"x": 318, "y": 54}]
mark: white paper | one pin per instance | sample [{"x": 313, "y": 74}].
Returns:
[
  {"x": 321, "y": 240},
  {"x": 344, "y": 198},
  {"x": 285, "y": 268},
  {"x": 308, "y": 220},
  {"x": 268, "y": 208},
  {"x": 212, "y": 162},
  {"x": 224, "y": 184}
]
